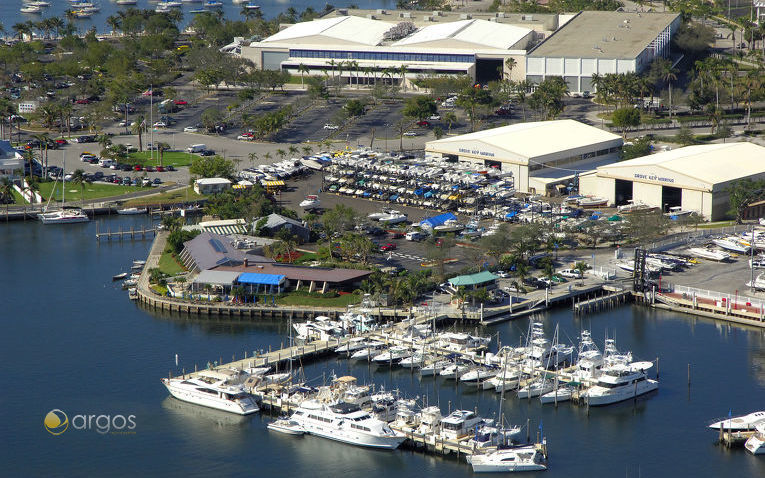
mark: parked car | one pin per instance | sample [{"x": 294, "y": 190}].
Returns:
[
  {"x": 170, "y": 168},
  {"x": 157, "y": 181},
  {"x": 160, "y": 124},
  {"x": 191, "y": 129},
  {"x": 331, "y": 126},
  {"x": 160, "y": 169},
  {"x": 424, "y": 124},
  {"x": 137, "y": 167},
  {"x": 388, "y": 247},
  {"x": 410, "y": 133},
  {"x": 60, "y": 142},
  {"x": 83, "y": 101},
  {"x": 207, "y": 152},
  {"x": 502, "y": 274},
  {"x": 181, "y": 102},
  {"x": 245, "y": 137},
  {"x": 434, "y": 117},
  {"x": 149, "y": 169},
  {"x": 570, "y": 273}
]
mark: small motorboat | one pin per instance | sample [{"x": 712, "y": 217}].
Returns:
[
  {"x": 592, "y": 202},
  {"x": 710, "y": 254},
  {"x": 286, "y": 426},
  {"x": 561, "y": 394},
  {"x": 731, "y": 244},
  {"x": 310, "y": 202},
  {"x": 133, "y": 293},
  {"x": 119, "y": 276},
  {"x": 129, "y": 283},
  {"x": 30, "y": 9},
  {"x": 756, "y": 443},
  {"x": 128, "y": 211},
  {"x": 394, "y": 217}
]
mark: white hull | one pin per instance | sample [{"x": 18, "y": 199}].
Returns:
[
  {"x": 707, "y": 254},
  {"x": 739, "y": 424},
  {"x": 563, "y": 394},
  {"x": 756, "y": 444},
  {"x": 131, "y": 211},
  {"x": 535, "y": 391},
  {"x": 206, "y": 400},
  {"x": 63, "y": 217},
  {"x": 358, "y": 439},
  {"x": 287, "y": 427},
  {"x": 602, "y": 396},
  {"x": 731, "y": 246},
  {"x": 525, "y": 458}
]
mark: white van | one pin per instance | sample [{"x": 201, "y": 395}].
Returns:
[
  {"x": 196, "y": 148},
  {"x": 105, "y": 163},
  {"x": 415, "y": 236}
]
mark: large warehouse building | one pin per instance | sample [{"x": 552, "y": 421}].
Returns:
[
  {"x": 599, "y": 43},
  {"x": 375, "y": 46},
  {"x": 694, "y": 178},
  {"x": 540, "y": 154}
]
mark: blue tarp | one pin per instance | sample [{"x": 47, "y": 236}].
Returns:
[
  {"x": 261, "y": 279},
  {"x": 437, "y": 220},
  {"x": 429, "y": 194}
]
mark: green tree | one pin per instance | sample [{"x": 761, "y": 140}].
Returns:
[
  {"x": 354, "y": 107},
  {"x": 420, "y": 107},
  {"x": 547, "y": 98},
  {"x": 212, "y": 167},
  {"x": 79, "y": 177},
  {"x": 470, "y": 99},
  {"x": 211, "y": 117},
  {"x": 640, "y": 147},
  {"x": 624, "y": 118}
]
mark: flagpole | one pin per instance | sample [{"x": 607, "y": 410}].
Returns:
[{"x": 151, "y": 120}]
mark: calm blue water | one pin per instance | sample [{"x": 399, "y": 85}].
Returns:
[
  {"x": 71, "y": 340},
  {"x": 10, "y": 15}
]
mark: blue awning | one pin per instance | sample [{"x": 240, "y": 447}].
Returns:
[{"x": 260, "y": 279}]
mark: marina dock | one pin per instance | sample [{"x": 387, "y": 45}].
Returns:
[{"x": 132, "y": 233}]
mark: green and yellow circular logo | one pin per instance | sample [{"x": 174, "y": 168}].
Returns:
[{"x": 56, "y": 422}]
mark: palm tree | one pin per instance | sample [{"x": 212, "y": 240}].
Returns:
[
  {"x": 521, "y": 91},
  {"x": 668, "y": 74},
  {"x": 253, "y": 157},
  {"x": 6, "y": 190},
  {"x": 29, "y": 157},
  {"x": 78, "y": 177},
  {"x": 395, "y": 287},
  {"x": 57, "y": 24},
  {"x": 293, "y": 150},
  {"x": 281, "y": 153},
  {"x": 267, "y": 157},
  {"x": 21, "y": 29},
  {"x": 43, "y": 140},
  {"x": 302, "y": 69},
  {"x": 402, "y": 71},
  {"x": 114, "y": 22},
  {"x": 450, "y": 119},
  {"x": 138, "y": 128},
  {"x": 510, "y": 63},
  {"x": 307, "y": 150}
]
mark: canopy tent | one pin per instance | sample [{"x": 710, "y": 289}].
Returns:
[
  {"x": 267, "y": 281},
  {"x": 434, "y": 221},
  {"x": 222, "y": 279}
]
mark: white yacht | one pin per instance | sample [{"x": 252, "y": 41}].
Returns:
[
  {"x": 731, "y": 245},
  {"x": 369, "y": 352},
  {"x": 392, "y": 356},
  {"x": 678, "y": 211},
  {"x": 286, "y": 426},
  {"x": 451, "y": 225},
  {"x": 536, "y": 388},
  {"x": 756, "y": 443},
  {"x": 219, "y": 389},
  {"x": 415, "y": 361},
  {"x": 394, "y": 217},
  {"x": 559, "y": 394},
  {"x": 710, "y": 254},
  {"x": 453, "y": 371},
  {"x": 742, "y": 423},
  {"x": 478, "y": 377},
  {"x": 347, "y": 423},
  {"x": 434, "y": 368},
  {"x": 355, "y": 344},
  {"x": 621, "y": 381},
  {"x": 310, "y": 202},
  {"x": 129, "y": 211},
  {"x": 459, "y": 424},
  {"x": 590, "y": 359},
  {"x": 64, "y": 216},
  {"x": 507, "y": 380},
  {"x": 504, "y": 460}
]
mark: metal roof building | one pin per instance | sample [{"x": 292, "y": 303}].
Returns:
[
  {"x": 532, "y": 150},
  {"x": 209, "y": 250},
  {"x": 694, "y": 178},
  {"x": 219, "y": 279},
  {"x": 453, "y": 46},
  {"x": 472, "y": 281},
  {"x": 595, "y": 42}
]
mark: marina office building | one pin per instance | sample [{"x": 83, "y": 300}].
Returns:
[
  {"x": 694, "y": 178},
  {"x": 601, "y": 42},
  {"x": 543, "y": 156},
  {"x": 375, "y": 46}
]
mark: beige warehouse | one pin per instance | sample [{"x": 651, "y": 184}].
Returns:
[
  {"x": 539, "y": 154},
  {"x": 694, "y": 178}
]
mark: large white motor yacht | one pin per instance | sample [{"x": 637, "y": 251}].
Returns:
[
  {"x": 219, "y": 389},
  {"x": 619, "y": 382},
  {"x": 347, "y": 423},
  {"x": 459, "y": 424},
  {"x": 503, "y": 460},
  {"x": 742, "y": 423}
]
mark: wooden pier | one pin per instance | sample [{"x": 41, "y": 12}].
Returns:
[
  {"x": 132, "y": 234},
  {"x": 731, "y": 439},
  {"x": 605, "y": 302}
]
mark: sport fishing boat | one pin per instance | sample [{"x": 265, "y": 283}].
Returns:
[
  {"x": 220, "y": 389},
  {"x": 394, "y": 217},
  {"x": 129, "y": 211},
  {"x": 621, "y": 381},
  {"x": 731, "y": 245},
  {"x": 592, "y": 202},
  {"x": 710, "y": 254},
  {"x": 346, "y": 423}
]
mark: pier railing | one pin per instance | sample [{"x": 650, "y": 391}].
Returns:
[
  {"x": 722, "y": 297},
  {"x": 694, "y": 236}
]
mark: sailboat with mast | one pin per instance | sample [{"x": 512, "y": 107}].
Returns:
[{"x": 65, "y": 215}]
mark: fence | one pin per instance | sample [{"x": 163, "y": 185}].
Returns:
[
  {"x": 722, "y": 297},
  {"x": 693, "y": 237}
]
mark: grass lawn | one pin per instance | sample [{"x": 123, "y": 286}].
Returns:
[
  {"x": 713, "y": 225},
  {"x": 169, "y": 158},
  {"x": 168, "y": 265},
  {"x": 74, "y": 192},
  {"x": 299, "y": 299},
  {"x": 170, "y": 197}
]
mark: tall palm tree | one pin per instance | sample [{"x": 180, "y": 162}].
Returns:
[
  {"x": 510, "y": 63},
  {"x": 20, "y": 30},
  {"x": 253, "y": 157},
  {"x": 402, "y": 71},
  {"x": 302, "y": 69},
  {"x": 281, "y": 153},
  {"x": 307, "y": 150},
  {"x": 138, "y": 129},
  {"x": 668, "y": 75},
  {"x": 293, "y": 150},
  {"x": 79, "y": 177},
  {"x": 6, "y": 190},
  {"x": 57, "y": 24},
  {"x": 114, "y": 23},
  {"x": 450, "y": 118},
  {"x": 43, "y": 140}
]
